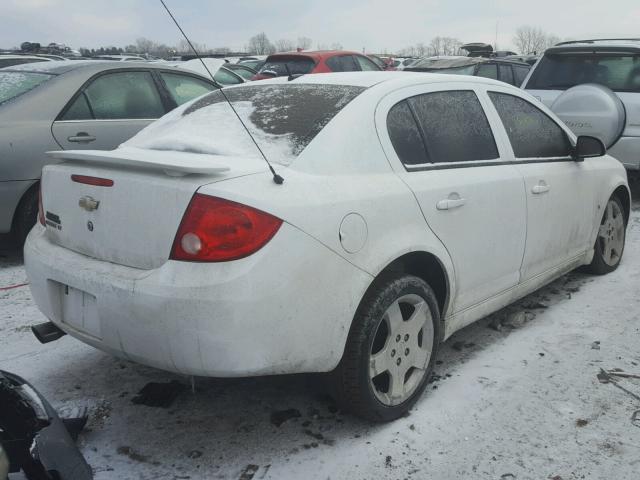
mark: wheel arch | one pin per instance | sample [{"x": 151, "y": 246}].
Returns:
[
  {"x": 622, "y": 192},
  {"x": 20, "y": 203}
]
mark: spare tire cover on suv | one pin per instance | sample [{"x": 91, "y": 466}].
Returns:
[{"x": 593, "y": 110}]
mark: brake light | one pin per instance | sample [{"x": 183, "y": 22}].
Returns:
[
  {"x": 95, "y": 181},
  {"x": 218, "y": 230},
  {"x": 40, "y": 208}
]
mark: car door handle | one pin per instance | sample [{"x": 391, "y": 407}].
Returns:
[
  {"x": 542, "y": 187},
  {"x": 450, "y": 203},
  {"x": 81, "y": 137}
]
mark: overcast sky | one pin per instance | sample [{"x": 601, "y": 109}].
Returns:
[{"x": 376, "y": 25}]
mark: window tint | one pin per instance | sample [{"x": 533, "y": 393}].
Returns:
[
  {"x": 183, "y": 88},
  {"x": 366, "y": 64},
  {"x": 559, "y": 72},
  {"x": 506, "y": 75},
  {"x": 488, "y": 70},
  {"x": 79, "y": 109},
  {"x": 531, "y": 132},
  {"x": 124, "y": 95},
  {"x": 14, "y": 84},
  {"x": 342, "y": 63},
  {"x": 225, "y": 77},
  {"x": 405, "y": 136},
  {"x": 520, "y": 74},
  {"x": 455, "y": 127},
  {"x": 297, "y": 65}
]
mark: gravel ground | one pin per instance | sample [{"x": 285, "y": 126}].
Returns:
[{"x": 515, "y": 396}]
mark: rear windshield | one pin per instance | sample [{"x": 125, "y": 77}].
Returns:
[
  {"x": 278, "y": 66},
  {"x": 14, "y": 84},
  {"x": 619, "y": 72},
  {"x": 282, "y": 119}
]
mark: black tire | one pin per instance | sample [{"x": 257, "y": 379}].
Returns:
[
  {"x": 351, "y": 381},
  {"x": 26, "y": 216},
  {"x": 599, "y": 265}
]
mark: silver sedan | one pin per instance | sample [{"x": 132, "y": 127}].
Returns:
[{"x": 75, "y": 105}]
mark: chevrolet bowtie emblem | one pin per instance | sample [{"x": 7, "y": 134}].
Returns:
[{"x": 89, "y": 203}]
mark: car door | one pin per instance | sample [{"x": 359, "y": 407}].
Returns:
[
  {"x": 109, "y": 110},
  {"x": 559, "y": 190},
  {"x": 471, "y": 198}
]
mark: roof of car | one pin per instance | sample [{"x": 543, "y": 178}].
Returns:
[
  {"x": 88, "y": 66},
  {"x": 317, "y": 54},
  {"x": 604, "y": 43},
  {"x": 458, "y": 61},
  {"x": 370, "y": 79}
]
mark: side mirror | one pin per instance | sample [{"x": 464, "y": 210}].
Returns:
[{"x": 588, "y": 147}]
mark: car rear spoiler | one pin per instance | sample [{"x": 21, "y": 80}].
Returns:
[{"x": 173, "y": 163}]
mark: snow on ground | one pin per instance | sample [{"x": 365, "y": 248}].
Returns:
[{"x": 522, "y": 402}]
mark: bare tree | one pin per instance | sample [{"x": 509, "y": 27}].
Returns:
[
  {"x": 533, "y": 40},
  {"x": 284, "y": 45},
  {"x": 336, "y": 46},
  {"x": 304, "y": 43},
  {"x": 260, "y": 45}
]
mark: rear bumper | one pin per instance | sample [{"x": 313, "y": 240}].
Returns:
[
  {"x": 627, "y": 151},
  {"x": 286, "y": 309}
]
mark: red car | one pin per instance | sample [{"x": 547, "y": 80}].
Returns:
[{"x": 300, "y": 63}]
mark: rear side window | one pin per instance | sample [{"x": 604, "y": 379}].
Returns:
[
  {"x": 183, "y": 88},
  {"x": 296, "y": 66},
  {"x": 342, "y": 63},
  {"x": 283, "y": 119},
  {"x": 79, "y": 109},
  {"x": 506, "y": 75},
  {"x": 531, "y": 132},
  {"x": 619, "y": 72},
  {"x": 488, "y": 70},
  {"x": 124, "y": 95},
  {"x": 225, "y": 77},
  {"x": 14, "y": 84},
  {"x": 405, "y": 135},
  {"x": 455, "y": 127},
  {"x": 520, "y": 73}
]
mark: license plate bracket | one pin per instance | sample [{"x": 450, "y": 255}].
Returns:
[{"x": 80, "y": 311}]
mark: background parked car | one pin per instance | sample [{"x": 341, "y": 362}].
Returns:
[
  {"x": 300, "y": 63},
  {"x": 506, "y": 71},
  {"x": 91, "y": 104},
  {"x": 244, "y": 71},
  {"x": 612, "y": 64},
  {"x": 214, "y": 66},
  {"x": 10, "y": 60},
  {"x": 256, "y": 64}
]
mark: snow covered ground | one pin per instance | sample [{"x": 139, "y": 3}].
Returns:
[{"x": 515, "y": 397}]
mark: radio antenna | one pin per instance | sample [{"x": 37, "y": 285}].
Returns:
[{"x": 276, "y": 178}]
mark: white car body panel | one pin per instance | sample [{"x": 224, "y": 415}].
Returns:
[{"x": 349, "y": 209}]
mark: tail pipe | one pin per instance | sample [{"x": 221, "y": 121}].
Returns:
[{"x": 47, "y": 332}]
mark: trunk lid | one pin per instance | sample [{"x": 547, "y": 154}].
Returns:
[{"x": 134, "y": 221}]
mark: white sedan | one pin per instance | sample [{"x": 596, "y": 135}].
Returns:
[{"x": 412, "y": 205}]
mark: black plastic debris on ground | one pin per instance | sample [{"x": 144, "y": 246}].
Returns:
[
  {"x": 161, "y": 395},
  {"x": 281, "y": 416}
]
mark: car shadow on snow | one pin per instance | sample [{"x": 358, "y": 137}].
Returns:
[{"x": 237, "y": 427}]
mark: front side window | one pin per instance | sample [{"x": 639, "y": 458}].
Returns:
[
  {"x": 619, "y": 72},
  {"x": 520, "y": 73},
  {"x": 183, "y": 88},
  {"x": 455, "y": 127},
  {"x": 531, "y": 132},
  {"x": 405, "y": 135},
  {"x": 124, "y": 95},
  {"x": 367, "y": 65}
]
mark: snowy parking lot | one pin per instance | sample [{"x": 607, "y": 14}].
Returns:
[{"x": 514, "y": 396}]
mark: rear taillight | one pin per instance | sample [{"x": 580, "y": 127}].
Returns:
[
  {"x": 40, "y": 208},
  {"x": 218, "y": 230},
  {"x": 94, "y": 181}
]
